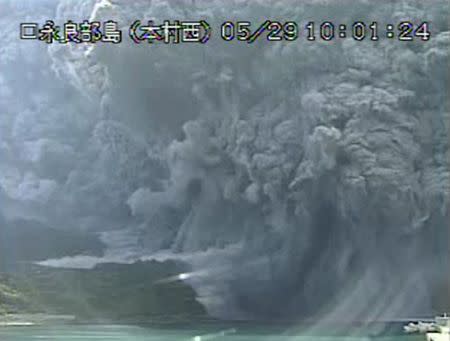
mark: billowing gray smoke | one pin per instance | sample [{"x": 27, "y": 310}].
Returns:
[{"x": 297, "y": 179}]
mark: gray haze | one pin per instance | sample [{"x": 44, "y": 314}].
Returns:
[{"x": 297, "y": 179}]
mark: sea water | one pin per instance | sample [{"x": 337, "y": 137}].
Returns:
[{"x": 146, "y": 333}]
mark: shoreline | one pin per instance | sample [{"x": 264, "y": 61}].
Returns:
[{"x": 27, "y": 320}]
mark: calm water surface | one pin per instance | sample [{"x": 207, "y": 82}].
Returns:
[{"x": 133, "y": 333}]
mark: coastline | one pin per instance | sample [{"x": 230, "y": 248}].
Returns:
[{"x": 27, "y": 320}]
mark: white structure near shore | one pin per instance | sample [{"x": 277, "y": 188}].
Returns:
[{"x": 438, "y": 330}]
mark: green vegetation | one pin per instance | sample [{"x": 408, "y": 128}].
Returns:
[
  {"x": 11, "y": 299},
  {"x": 111, "y": 292}
]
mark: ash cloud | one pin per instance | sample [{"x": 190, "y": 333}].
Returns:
[{"x": 316, "y": 175}]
